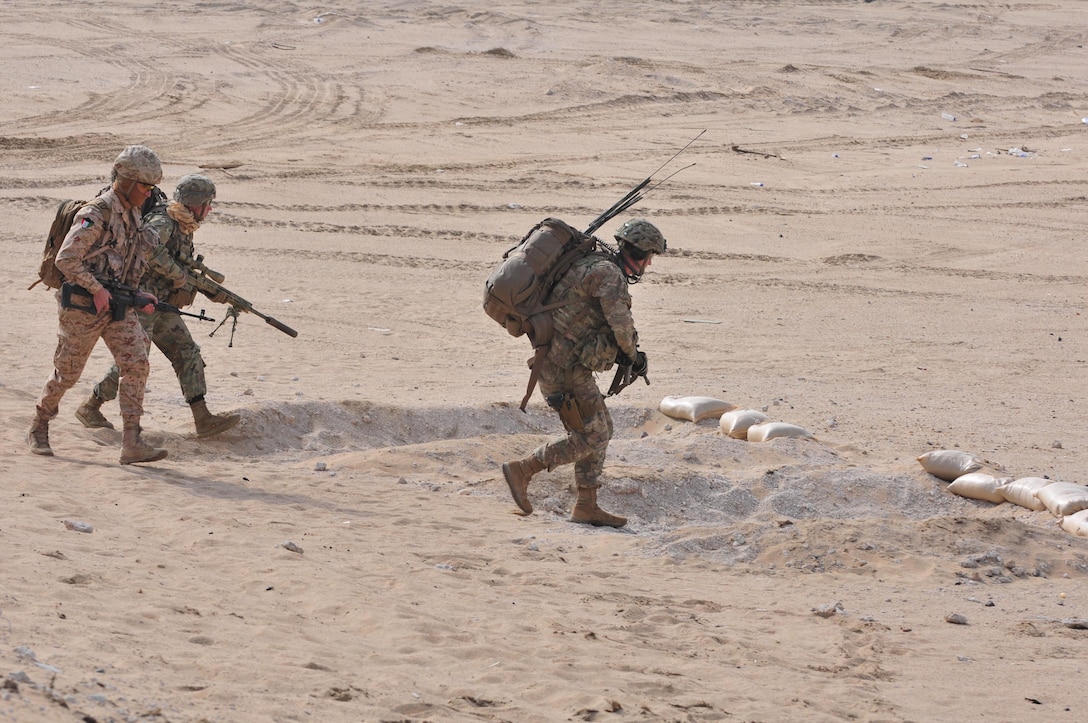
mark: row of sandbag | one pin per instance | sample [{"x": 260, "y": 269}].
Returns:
[
  {"x": 749, "y": 424},
  {"x": 1065, "y": 500}
]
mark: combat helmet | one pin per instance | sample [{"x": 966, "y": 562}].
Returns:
[
  {"x": 642, "y": 235},
  {"x": 140, "y": 164},
  {"x": 194, "y": 190}
]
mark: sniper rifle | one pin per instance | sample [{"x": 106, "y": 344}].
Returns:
[{"x": 205, "y": 281}]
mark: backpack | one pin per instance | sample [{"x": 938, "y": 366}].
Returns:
[
  {"x": 48, "y": 273},
  {"x": 515, "y": 291}
]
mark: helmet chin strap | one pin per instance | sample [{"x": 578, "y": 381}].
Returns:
[
  {"x": 621, "y": 259},
  {"x": 126, "y": 186},
  {"x": 624, "y": 261}
]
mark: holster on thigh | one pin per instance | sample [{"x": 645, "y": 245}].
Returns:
[{"x": 567, "y": 407}]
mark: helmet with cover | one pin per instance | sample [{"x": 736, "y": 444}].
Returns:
[
  {"x": 641, "y": 238},
  {"x": 194, "y": 190},
  {"x": 140, "y": 164}
]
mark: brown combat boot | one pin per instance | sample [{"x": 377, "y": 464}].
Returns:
[
  {"x": 208, "y": 424},
  {"x": 518, "y": 474},
  {"x": 586, "y": 511},
  {"x": 38, "y": 437},
  {"x": 89, "y": 414},
  {"x": 133, "y": 447}
]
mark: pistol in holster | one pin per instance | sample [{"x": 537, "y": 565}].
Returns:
[{"x": 569, "y": 413}]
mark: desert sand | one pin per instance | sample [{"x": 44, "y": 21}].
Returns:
[{"x": 878, "y": 237}]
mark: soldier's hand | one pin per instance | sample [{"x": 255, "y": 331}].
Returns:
[
  {"x": 220, "y": 297},
  {"x": 102, "y": 299},
  {"x": 640, "y": 367},
  {"x": 145, "y": 302}
]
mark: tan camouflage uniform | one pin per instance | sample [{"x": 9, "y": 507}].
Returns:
[
  {"x": 167, "y": 280},
  {"x": 94, "y": 251},
  {"x": 588, "y": 335}
]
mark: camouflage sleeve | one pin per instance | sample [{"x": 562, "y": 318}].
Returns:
[
  {"x": 161, "y": 261},
  {"x": 607, "y": 283},
  {"x": 87, "y": 229},
  {"x": 147, "y": 242}
]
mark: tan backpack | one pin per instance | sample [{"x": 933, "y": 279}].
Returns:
[
  {"x": 48, "y": 273},
  {"x": 515, "y": 291}
]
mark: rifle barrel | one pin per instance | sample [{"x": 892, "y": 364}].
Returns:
[
  {"x": 279, "y": 325},
  {"x": 239, "y": 304}
]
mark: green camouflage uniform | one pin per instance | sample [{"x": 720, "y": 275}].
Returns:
[
  {"x": 167, "y": 280},
  {"x": 588, "y": 335},
  {"x": 95, "y": 251}
]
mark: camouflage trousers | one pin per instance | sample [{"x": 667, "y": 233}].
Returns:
[
  {"x": 584, "y": 447},
  {"x": 170, "y": 334},
  {"x": 77, "y": 335}
]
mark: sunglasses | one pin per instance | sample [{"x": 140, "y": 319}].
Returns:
[{"x": 636, "y": 253}]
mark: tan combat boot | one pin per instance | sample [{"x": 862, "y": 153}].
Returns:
[
  {"x": 133, "y": 448},
  {"x": 38, "y": 437},
  {"x": 586, "y": 511},
  {"x": 89, "y": 413},
  {"x": 518, "y": 474},
  {"x": 208, "y": 424}
]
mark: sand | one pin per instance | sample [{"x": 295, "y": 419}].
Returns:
[{"x": 880, "y": 240}]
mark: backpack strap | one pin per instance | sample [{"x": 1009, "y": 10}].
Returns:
[
  {"x": 102, "y": 205},
  {"x": 541, "y": 331},
  {"x": 534, "y": 375}
]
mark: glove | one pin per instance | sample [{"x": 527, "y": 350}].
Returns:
[
  {"x": 220, "y": 297},
  {"x": 640, "y": 366}
]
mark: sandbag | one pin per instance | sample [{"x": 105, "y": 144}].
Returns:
[
  {"x": 1063, "y": 498},
  {"x": 735, "y": 424},
  {"x": 694, "y": 409},
  {"x": 948, "y": 464},
  {"x": 979, "y": 486},
  {"x": 773, "y": 430},
  {"x": 1023, "y": 492},
  {"x": 1076, "y": 523}
]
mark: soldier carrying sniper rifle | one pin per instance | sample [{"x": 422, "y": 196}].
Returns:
[{"x": 176, "y": 276}]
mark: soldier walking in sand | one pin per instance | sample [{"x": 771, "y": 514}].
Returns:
[
  {"x": 168, "y": 278},
  {"x": 107, "y": 244},
  {"x": 590, "y": 334}
]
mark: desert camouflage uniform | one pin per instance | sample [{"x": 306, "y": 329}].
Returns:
[
  {"x": 92, "y": 252},
  {"x": 588, "y": 334},
  {"x": 166, "y": 279}
]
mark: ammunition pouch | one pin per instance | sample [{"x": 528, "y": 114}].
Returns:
[
  {"x": 567, "y": 407},
  {"x": 182, "y": 297},
  {"x": 598, "y": 353}
]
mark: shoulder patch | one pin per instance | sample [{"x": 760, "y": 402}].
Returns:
[{"x": 87, "y": 223}]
